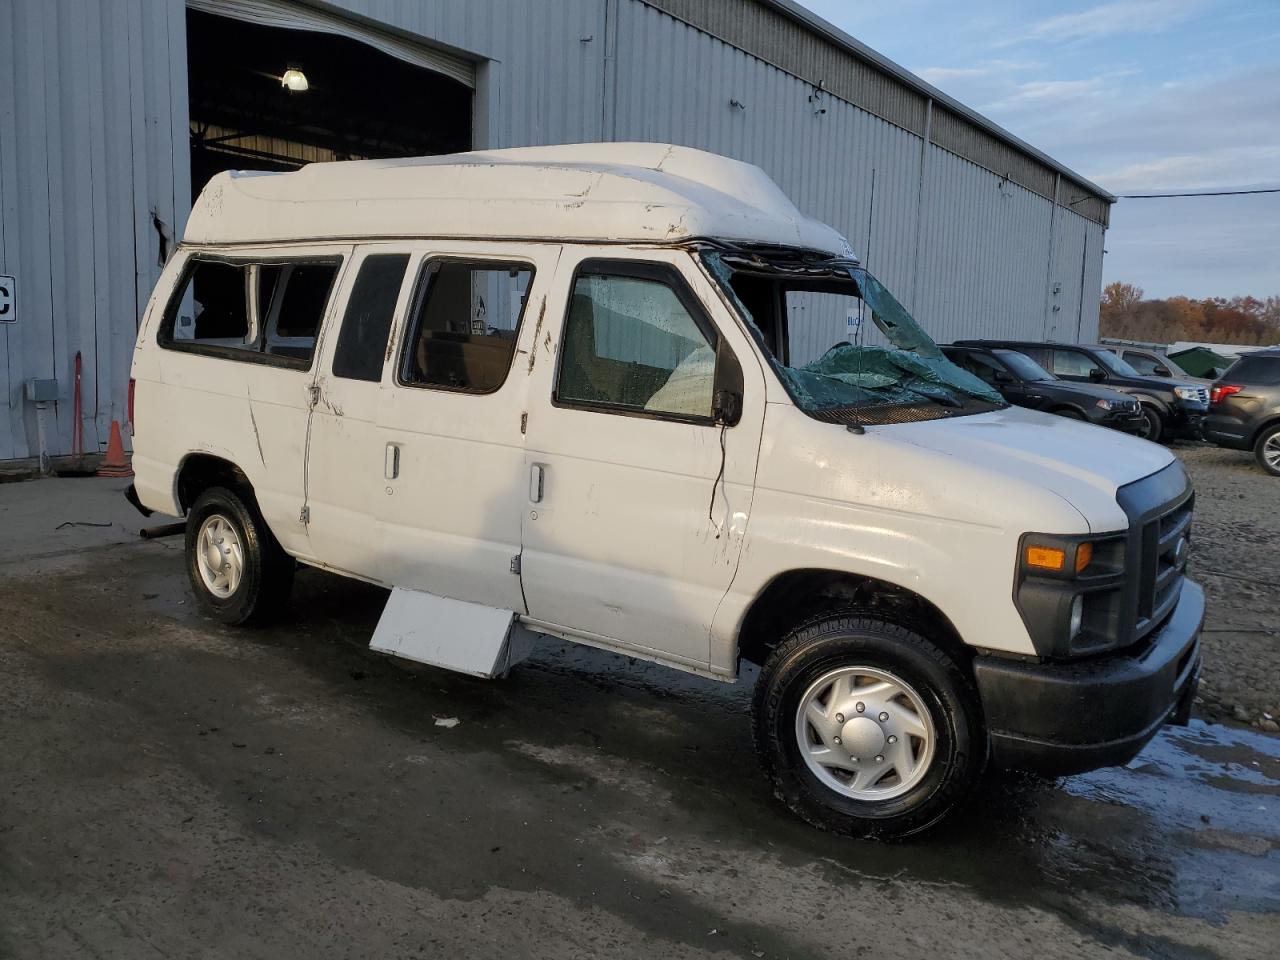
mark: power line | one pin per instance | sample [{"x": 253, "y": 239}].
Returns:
[{"x": 1208, "y": 193}]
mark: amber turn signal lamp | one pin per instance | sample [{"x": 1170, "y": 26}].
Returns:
[
  {"x": 1046, "y": 558},
  {"x": 1084, "y": 556}
]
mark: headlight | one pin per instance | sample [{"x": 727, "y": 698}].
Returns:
[
  {"x": 1187, "y": 393},
  {"x": 1106, "y": 405},
  {"x": 1069, "y": 591}
]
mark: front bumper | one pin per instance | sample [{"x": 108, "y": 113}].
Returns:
[
  {"x": 1187, "y": 422},
  {"x": 1120, "y": 420},
  {"x": 1063, "y": 718}
]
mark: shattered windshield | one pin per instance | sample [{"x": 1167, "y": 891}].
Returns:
[{"x": 838, "y": 339}]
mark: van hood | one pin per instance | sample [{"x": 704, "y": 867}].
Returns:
[{"x": 1082, "y": 463}]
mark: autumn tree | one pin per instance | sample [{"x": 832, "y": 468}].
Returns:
[{"x": 1125, "y": 315}]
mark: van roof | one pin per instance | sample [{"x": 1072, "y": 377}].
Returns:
[{"x": 612, "y": 192}]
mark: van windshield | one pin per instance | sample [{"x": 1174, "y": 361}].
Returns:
[{"x": 838, "y": 339}]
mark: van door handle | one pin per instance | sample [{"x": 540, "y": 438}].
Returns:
[
  {"x": 535, "y": 483},
  {"x": 392, "y": 465}
]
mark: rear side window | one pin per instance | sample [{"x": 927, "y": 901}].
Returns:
[
  {"x": 298, "y": 295},
  {"x": 362, "y": 343},
  {"x": 257, "y": 312},
  {"x": 1251, "y": 371},
  {"x": 462, "y": 334},
  {"x": 212, "y": 308}
]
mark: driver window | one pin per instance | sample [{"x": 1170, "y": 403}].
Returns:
[
  {"x": 986, "y": 368},
  {"x": 1143, "y": 364},
  {"x": 1073, "y": 363},
  {"x": 631, "y": 343}
]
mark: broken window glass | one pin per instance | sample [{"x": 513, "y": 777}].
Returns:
[{"x": 797, "y": 304}]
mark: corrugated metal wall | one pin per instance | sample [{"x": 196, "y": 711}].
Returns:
[
  {"x": 93, "y": 149},
  {"x": 93, "y": 152}
]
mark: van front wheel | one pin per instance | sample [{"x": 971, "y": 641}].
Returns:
[
  {"x": 866, "y": 728},
  {"x": 239, "y": 572}
]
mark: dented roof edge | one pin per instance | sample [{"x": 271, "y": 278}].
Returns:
[{"x": 829, "y": 31}]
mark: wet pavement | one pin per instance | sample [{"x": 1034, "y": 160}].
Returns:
[{"x": 177, "y": 788}]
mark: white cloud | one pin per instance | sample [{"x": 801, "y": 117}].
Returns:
[
  {"x": 1212, "y": 166},
  {"x": 1110, "y": 19},
  {"x": 985, "y": 68}
]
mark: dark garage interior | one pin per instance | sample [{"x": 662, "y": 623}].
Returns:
[{"x": 359, "y": 103}]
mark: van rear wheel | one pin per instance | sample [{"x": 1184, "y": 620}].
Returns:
[
  {"x": 238, "y": 571},
  {"x": 866, "y": 728}
]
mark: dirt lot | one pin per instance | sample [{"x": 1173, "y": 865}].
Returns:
[
  {"x": 1236, "y": 555},
  {"x": 174, "y": 788}
]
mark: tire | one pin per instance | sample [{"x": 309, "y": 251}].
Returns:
[
  {"x": 942, "y": 701},
  {"x": 1267, "y": 450},
  {"x": 1152, "y": 424},
  {"x": 239, "y": 572}
]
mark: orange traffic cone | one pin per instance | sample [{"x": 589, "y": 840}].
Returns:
[{"x": 115, "y": 464}]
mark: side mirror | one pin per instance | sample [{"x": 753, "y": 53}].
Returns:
[
  {"x": 726, "y": 407},
  {"x": 1096, "y": 375},
  {"x": 1003, "y": 376},
  {"x": 726, "y": 396},
  {"x": 1163, "y": 371}
]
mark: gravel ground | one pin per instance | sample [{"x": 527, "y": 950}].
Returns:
[{"x": 1235, "y": 547}]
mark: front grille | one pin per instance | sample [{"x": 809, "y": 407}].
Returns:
[
  {"x": 1160, "y": 510},
  {"x": 1201, "y": 394}
]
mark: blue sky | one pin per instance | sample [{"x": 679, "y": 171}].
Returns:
[{"x": 1140, "y": 96}]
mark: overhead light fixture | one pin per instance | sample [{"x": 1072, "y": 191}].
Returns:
[{"x": 295, "y": 80}]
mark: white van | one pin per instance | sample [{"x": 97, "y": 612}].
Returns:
[{"x": 584, "y": 391}]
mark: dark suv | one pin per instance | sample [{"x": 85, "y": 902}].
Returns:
[
  {"x": 1171, "y": 408},
  {"x": 1245, "y": 409},
  {"x": 1024, "y": 383}
]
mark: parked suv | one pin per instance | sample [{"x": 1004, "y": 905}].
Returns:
[
  {"x": 1152, "y": 364},
  {"x": 1025, "y": 383},
  {"x": 1171, "y": 408},
  {"x": 1245, "y": 408},
  {"x": 555, "y": 391}
]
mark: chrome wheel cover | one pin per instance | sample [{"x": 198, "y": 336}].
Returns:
[
  {"x": 219, "y": 556},
  {"x": 865, "y": 733}
]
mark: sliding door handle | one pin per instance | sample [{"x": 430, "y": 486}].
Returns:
[
  {"x": 391, "y": 467},
  {"x": 535, "y": 483}
]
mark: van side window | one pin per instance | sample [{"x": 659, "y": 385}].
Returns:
[
  {"x": 632, "y": 343},
  {"x": 212, "y": 308},
  {"x": 362, "y": 342},
  {"x": 298, "y": 295},
  {"x": 462, "y": 334},
  {"x": 212, "y": 315}
]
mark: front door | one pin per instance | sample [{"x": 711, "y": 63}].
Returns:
[
  {"x": 451, "y": 421},
  {"x": 637, "y": 498}
]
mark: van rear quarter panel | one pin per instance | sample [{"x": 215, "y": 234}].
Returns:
[{"x": 253, "y": 415}]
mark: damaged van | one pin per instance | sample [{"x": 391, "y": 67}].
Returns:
[{"x": 591, "y": 392}]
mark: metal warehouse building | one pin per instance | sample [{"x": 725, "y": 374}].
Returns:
[{"x": 113, "y": 112}]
